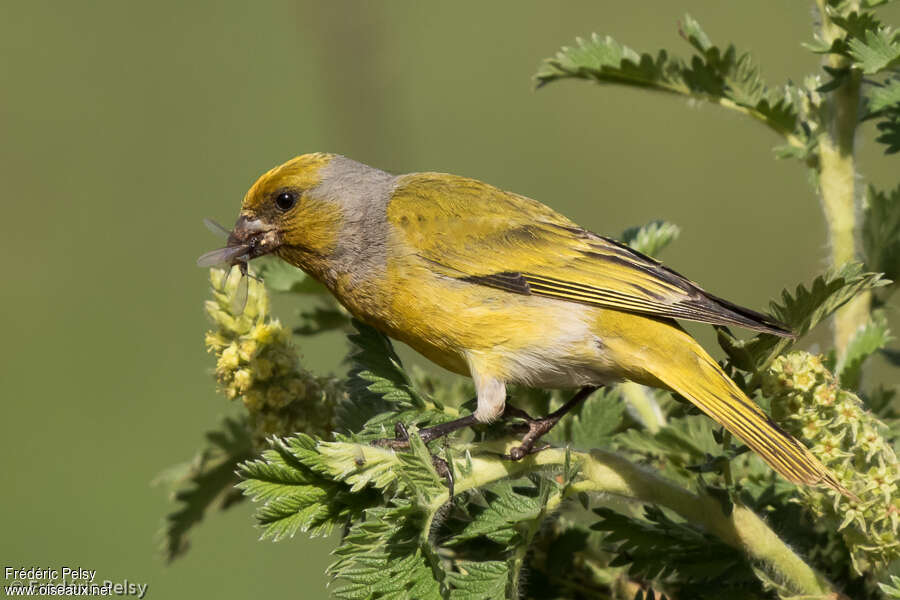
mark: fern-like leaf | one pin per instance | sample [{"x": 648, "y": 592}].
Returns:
[
  {"x": 652, "y": 238},
  {"x": 724, "y": 77},
  {"x": 869, "y": 339},
  {"x": 801, "y": 311},
  {"x": 204, "y": 484},
  {"x": 595, "y": 421},
  {"x": 884, "y": 97},
  {"x": 478, "y": 580},
  {"x": 295, "y": 496},
  {"x": 881, "y": 231},
  {"x": 376, "y": 383},
  {"x": 382, "y": 557},
  {"x": 507, "y": 507},
  {"x": 876, "y": 50},
  {"x": 661, "y": 549}
]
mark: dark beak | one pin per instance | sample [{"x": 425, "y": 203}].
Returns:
[
  {"x": 256, "y": 237},
  {"x": 249, "y": 238}
]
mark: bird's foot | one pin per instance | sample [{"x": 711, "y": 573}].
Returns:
[
  {"x": 401, "y": 440},
  {"x": 534, "y": 430},
  {"x": 442, "y": 467}
]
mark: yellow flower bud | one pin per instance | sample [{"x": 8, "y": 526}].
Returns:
[
  {"x": 253, "y": 400},
  {"x": 229, "y": 359},
  {"x": 267, "y": 333},
  {"x": 243, "y": 379},
  {"x": 263, "y": 368},
  {"x": 277, "y": 397},
  {"x": 214, "y": 341},
  {"x": 248, "y": 349},
  {"x": 297, "y": 389}
]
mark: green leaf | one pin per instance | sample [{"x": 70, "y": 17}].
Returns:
[
  {"x": 805, "y": 309},
  {"x": 732, "y": 76},
  {"x": 594, "y": 422},
  {"x": 889, "y": 133},
  {"x": 867, "y": 41},
  {"x": 380, "y": 393},
  {"x": 361, "y": 465},
  {"x": 502, "y": 521},
  {"x": 295, "y": 495},
  {"x": 358, "y": 465},
  {"x": 659, "y": 548},
  {"x": 566, "y": 561},
  {"x": 884, "y": 97},
  {"x": 881, "y": 231},
  {"x": 870, "y": 338},
  {"x": 801, "y": 311},
  {"x": 876, "y": 50},
  {"x": 651, "y": 238},
  {"x": 881, "y": 401},
  {"x": 606, "y": 61},
  {"x": 682, "y": 443},
  {"x": 892, "y": 590},
  {"x": 208, "y": 482},
  {"x": 724, "y": 77},
  {"x": 855, "y": 24},
  {"x": 884, "y": 103},
  {"x": 280, "y": 276},
  {"x": 320, "y": 319},
  {"x": 478, "y": 580},
  {"x": 376, "y": 383},
  {"x": 382, "y": 557},
  {"x": 507, "y": 507}
]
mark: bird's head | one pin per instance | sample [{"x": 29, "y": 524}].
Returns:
[{"x": 281, "y": 215}]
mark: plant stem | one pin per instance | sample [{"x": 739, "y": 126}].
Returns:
[
  {"x": 612, "y": 474},
  {"x": 837, "y": 177},
  {"x": 641, "y": 400}
]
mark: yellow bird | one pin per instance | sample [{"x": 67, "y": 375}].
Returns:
[{"x": 503, "y": 289}]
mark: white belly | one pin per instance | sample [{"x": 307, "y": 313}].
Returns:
[{"x": 570, "y": 356}]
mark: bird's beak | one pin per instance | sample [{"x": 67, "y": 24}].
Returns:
[{"x": 257, "y": 237}]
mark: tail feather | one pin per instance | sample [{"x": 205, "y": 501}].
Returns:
[
  {"x": 659, "y": 353},
  {"x": 720, "y": 398}
]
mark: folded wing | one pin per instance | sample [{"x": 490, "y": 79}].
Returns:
[{"x": 477, "y": 233}]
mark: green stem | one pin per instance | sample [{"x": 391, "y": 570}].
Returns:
[
  {"x": 607, "y": 473},
  {"x": 837, "y": 178},
  {"x": 644, "y": 404},
  {"x": 611, "y": 474}
]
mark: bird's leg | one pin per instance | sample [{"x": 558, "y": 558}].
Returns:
[
  {"x": 401, "y": 440},
  {"x": 539, "y": 427},
  {"x": 401, "y": 436},
  {"x": 535, "y": 429}
]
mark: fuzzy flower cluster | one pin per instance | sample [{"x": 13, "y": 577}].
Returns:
[
  {"x": 850, "y": 441},
  {"x": 256, "y": 363}
]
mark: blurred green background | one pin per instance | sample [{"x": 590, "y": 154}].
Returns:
[{"x": 124, "y": 124}]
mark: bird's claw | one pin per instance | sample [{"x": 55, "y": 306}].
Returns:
[
  {"x": 443, "y": 470},
  {"x": 520, "y": 452},
  {"x": 401, "y": 440},
  {"x": 534, "y": 429}
]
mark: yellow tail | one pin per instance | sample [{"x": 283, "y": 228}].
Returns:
[{"x": 672, "y": 357}]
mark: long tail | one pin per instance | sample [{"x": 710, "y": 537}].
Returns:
[{"x": 676, "y": 360}]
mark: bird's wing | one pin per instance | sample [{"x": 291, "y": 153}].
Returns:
[{"x": 477, "y": 233}]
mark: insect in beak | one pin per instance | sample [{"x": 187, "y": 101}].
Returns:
[{"x": 249, "y": 239}]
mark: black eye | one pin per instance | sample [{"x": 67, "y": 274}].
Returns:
[{"x": 285, "y": 201}]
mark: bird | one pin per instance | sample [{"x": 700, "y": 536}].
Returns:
[{"x": 501, "y": 288}]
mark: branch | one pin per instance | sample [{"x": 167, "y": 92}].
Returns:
[
  {"x": 837, "y": 174},
  {"x": 606, "y": 472}
]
